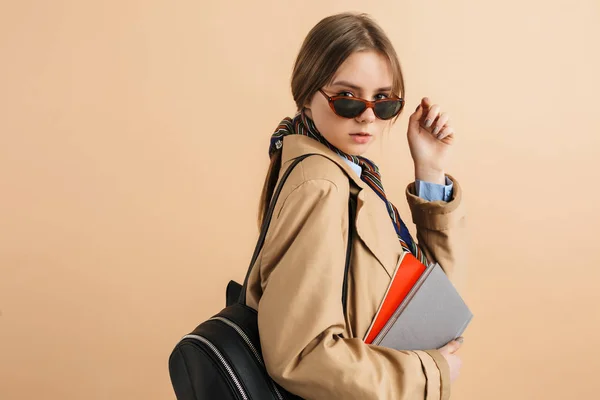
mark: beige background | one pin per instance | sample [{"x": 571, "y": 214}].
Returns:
[{"x": 133, "y": 146}]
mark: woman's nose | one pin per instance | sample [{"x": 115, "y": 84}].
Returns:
[{"x": 367, "y": 116}]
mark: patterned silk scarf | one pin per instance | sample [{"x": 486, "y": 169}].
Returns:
[{"x": 301, "y": 124}]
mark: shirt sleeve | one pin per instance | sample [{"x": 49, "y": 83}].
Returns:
[{"x": 433, "y": 191}]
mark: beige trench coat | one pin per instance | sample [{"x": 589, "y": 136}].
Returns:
[{"x": 296, "y": 285}]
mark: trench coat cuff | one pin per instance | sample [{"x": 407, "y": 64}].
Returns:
[
  {"x": 435, "y": 215},
  {"x": 444, "y": 373}
]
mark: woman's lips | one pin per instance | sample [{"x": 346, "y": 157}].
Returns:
[{"x": 361, "y": 137}]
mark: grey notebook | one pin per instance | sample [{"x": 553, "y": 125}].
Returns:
[{"x": 431, "y": 315}]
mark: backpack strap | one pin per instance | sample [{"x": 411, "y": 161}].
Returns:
[{"x": 267, "y": 222}]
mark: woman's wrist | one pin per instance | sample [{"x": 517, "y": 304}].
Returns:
[{"x": 428, "y": 174}]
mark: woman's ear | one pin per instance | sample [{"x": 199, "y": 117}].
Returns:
[
  {"x": 308, "y": 112},
  {"x": 309, "y": 102}
]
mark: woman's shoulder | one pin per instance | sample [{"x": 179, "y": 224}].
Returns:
[
  {"x": 319, "y": 170},
  {"x": 321, "y": 165}
]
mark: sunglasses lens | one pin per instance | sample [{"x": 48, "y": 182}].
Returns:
[
  {"x": 388, "y": 109},
  {"x": 348, "y": 108}
]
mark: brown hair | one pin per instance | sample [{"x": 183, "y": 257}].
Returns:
[{"x": 325, "y": 48}]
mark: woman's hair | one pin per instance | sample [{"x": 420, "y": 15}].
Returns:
[{"x": 325, "y": 48}]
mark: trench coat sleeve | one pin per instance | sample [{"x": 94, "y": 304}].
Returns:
[
  {"x": 440, "y": 227},
  {"x": 441, "y": 235},
  {"x": 300, "y": 316}
]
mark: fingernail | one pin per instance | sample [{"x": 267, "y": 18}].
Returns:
[
  {"x": 428, "y": 123},
  {"x": 436, "y": 130},
  {"x": 460, "y": 340}
]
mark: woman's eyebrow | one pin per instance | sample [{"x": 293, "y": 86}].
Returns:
[{"x": 358, "y": 88}]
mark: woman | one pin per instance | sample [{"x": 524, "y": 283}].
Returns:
[{"x": 309, "y": 347}]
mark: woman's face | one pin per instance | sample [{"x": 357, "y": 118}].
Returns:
[{"x": 364, "y": 74}]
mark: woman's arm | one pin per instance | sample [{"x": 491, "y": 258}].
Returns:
[
  {"x": 440, "y": 227},
  {"x": 300, "y": 316}
]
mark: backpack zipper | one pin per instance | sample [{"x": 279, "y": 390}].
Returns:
[
  {"x": 228, "y": 368},
  {"x": 252, "y": 348}
]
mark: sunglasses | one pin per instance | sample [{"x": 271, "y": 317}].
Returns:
[{"x": 352, "y": 107}]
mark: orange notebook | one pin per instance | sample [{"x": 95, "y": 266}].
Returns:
[{"x": 405, "y": 277}]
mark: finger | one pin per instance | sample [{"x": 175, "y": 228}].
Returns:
[
  {"x": 426, "y": 103},
  {"x": 431, "y": 115},
  {"x": 446, "y": 131},
  {"x": 424, "y": 107},
  {"x": 418, "y": 114},
  {"x": 438, "y": 124},
  {"x": 452, "y": 347}
]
